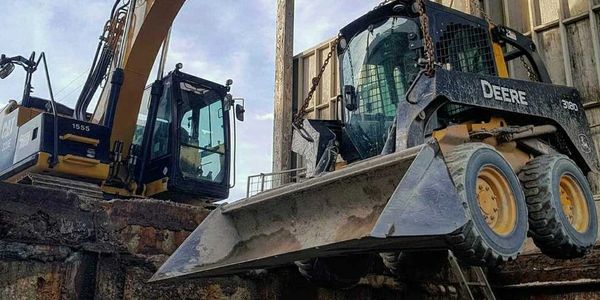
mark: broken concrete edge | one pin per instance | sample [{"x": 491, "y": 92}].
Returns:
[{"x": 42, "y": 217}]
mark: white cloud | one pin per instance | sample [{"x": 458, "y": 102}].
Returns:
[{"x": 265, "y": 117}]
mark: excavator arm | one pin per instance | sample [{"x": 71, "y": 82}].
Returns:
[{"x": 148, "y": 28}]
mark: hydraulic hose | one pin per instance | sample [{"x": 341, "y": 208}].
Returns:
[{"x": 103, "y": 58}]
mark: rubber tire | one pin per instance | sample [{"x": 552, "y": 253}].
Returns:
[
  {"x": 548, "y": 225},
  {"x": 342, "y": 272},
  {"x": 476, "y": 243}
]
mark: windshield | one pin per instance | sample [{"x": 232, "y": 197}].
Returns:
[
  {"x": 380, "y": 63},
  {"x": 202, "y": 134}
]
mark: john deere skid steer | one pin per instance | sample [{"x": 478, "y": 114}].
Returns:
[{"x": 443, "y": 151}]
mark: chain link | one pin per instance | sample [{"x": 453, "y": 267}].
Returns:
[
  {"x": 427, "y": 39},
  {"x": 530, "y": 72},
  {"x": 301, "y": 114}
]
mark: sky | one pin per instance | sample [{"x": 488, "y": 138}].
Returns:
[{"x": 215, "y": 40}]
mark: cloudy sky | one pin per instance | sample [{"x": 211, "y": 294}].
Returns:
[{"x": 215, "y": 40}]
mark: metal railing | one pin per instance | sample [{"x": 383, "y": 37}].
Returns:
[{"x": 267, "y": 181}]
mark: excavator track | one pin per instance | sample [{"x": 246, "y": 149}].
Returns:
[{"x": 80, "y": 188}]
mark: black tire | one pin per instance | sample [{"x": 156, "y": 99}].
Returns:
[
  {"x": 476, "y": 243},
  {"x": 335, "y": 272},
  {"x": 548, "y": 225}
]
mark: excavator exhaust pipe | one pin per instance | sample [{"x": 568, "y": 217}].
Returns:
[{"x": 404, "y": 200}]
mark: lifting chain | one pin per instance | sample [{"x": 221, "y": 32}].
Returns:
[
  {"x": 301, "y": 114},
  {"x": 427, "y": 39},
  {"x": 530, "y": 73}
]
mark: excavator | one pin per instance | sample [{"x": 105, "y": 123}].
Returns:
[
  {"x": 178, "y": 148},
  {"x": 438, "y": 149}
]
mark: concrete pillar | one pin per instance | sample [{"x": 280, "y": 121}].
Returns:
[{"x": 282, "y": 131}]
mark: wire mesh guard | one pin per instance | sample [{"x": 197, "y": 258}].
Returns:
[
  {"x": 466, "y": 48},
  {"x": 267, "y": 181}
]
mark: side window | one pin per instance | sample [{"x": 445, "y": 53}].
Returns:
[
  {"x": 162, "y": 128},
  {"x": 140, "y": 124},
  {"x": 212, "y": 135}
]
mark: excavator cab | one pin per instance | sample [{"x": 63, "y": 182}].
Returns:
[
  {"x": 182, "y": 138},
  {"x": 180, "y": 150}
]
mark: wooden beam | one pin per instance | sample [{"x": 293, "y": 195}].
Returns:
[{"x": 282, "y": 131}]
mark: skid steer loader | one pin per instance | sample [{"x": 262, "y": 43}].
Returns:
[{"x": 443, "y": 151}]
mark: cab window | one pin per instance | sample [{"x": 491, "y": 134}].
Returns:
[
  {"x": 162, "y": 128},
  {"x": 202, "y": 134}
]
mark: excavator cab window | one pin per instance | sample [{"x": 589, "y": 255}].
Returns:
[
  {"x": 162, "y": 128},
  {"x": 161, "y": 133},
  {"x": 379, "y": 63},
  {"x": 140, "y": 125},
  {"x": 202, "y": 134}
]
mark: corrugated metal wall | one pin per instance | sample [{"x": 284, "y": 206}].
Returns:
[{"x": 565, "y": 31}]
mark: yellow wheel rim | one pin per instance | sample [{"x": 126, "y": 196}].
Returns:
[
  {"x": 573, "y": 203},
  {"x": 496, "y": 201}
]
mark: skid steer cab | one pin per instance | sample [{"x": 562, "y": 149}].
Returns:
[
  {"x": 441, "y": 151},
  {"x": 181, "y": 150}
]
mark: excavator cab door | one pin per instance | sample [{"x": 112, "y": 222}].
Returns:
[{"x": 183, "y": 134}]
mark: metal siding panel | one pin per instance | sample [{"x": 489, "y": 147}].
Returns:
[
  {"x": 582, "y": 61},
  {"x": 552, "y": 54},
  {"x": 325, "y": 86},
  {"x": 576, "y": 7},
  {"x": 549, "y": 11}
]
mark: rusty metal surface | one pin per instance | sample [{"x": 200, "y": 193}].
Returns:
[{"x": 346, "y": 211}]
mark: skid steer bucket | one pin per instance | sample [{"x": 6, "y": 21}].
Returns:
[{"x": 404, "y": 200}]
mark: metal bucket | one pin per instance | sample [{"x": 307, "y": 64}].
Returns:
[{"x": 404, "y": 200}]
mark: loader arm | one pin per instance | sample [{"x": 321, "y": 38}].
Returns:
[{"x": 524, "y": 47}]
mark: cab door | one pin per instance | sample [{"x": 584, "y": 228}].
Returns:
[
  {"x": 154, "y": 139},
  {"x": 202, "y": 157}
]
